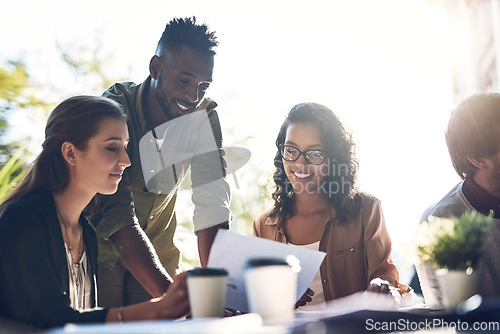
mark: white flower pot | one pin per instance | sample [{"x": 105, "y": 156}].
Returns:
[{"x": 456, "y": 286}]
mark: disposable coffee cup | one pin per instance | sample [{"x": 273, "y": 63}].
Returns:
[
  {"x": 271, "y": 287},
  {"x": 207, "y": 292}
]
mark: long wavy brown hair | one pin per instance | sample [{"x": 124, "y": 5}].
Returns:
[{"x": 340, "y": 159}]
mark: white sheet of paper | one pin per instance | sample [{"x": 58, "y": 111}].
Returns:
[{"x": 231, "y": 251}]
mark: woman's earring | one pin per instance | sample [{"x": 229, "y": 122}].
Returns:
[{"x": 291, "y": 194}]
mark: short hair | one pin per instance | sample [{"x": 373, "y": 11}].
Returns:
[
  {"x": 185, "y": 31},
  {"x": 473, "y": 131}
]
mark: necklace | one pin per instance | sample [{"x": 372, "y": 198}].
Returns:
[
  {"x": 63, "y": 223},
  {"x": 74, "y": 267}
]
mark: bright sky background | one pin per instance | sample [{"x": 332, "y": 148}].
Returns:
[{"x": 383, "y": 66}]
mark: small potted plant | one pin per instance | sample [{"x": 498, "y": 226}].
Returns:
[{"x": 452, "y": 248}]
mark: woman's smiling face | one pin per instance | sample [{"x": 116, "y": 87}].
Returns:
[
  {"x": 303, "y": 176},
  {"x": 99, "y": 167}
]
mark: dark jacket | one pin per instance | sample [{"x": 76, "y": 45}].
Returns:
[{"x": 34, "y": 279}]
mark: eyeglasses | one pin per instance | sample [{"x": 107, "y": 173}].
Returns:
[
  {"x": 202, "y": 88},
  {"x": 313, "y": 157}
]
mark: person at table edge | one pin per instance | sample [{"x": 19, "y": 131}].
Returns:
[
  {"x": 317, "y": 206},
  {"x": 136, "y": 226}
]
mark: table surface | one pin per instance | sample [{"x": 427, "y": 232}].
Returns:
[
  {"x": 246, "y": 323},
  {"x": 340, "y": 317},
  {"x": 411, "y": 320}
]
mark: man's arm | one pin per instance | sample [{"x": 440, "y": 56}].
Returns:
[
  {"x": 117, "y": 221},
  {"x": 206, "y": 238},
  {"x": 139, "y": 255},
  {"x": 211, "y": 192}
]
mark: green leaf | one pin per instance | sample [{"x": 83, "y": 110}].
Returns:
[{"x": 455, "y": 243}]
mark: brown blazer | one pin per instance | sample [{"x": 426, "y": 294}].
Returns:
[{"x": 356, "y": 251}]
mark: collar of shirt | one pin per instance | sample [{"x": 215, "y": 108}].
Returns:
[{"x": 480, "y": 199}]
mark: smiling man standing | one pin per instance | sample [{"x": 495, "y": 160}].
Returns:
[{"x": 137, "y": 255}]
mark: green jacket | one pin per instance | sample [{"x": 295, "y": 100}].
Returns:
[{"x": 133, "y": 203}]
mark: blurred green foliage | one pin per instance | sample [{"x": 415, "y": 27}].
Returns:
[
  {"x": 88, "y": 64},
  {"x": 456, "y": 243},
  {"x": 11, "y": 172},
  {"x": 248, "y": 201},
  {"x": 16, "y": 93},
  {"x": 16, "y": 89},
  {"x": 19, "y": 92}
]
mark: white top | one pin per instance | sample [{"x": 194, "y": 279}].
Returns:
[
  {"x": 79, "y": 282},
  {"x": 318, "y": 300},
  {"x": 165, "y": 163}
]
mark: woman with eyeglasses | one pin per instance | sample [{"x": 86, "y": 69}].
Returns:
[{"x": 317, "y": 206}]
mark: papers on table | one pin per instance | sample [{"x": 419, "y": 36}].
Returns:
[
  {"x": 350, "y": 304},
  {"x": 231, "y": 251}
]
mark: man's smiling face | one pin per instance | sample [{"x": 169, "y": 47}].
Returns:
[{"x": 184, "y": 75}]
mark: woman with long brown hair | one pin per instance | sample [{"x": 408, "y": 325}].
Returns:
[{"x": 48, "y": 249}]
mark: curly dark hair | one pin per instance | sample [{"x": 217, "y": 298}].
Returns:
[
  {"x": 185, "y": 31},
  {"x": 340, "y": 159},
  {"x": 473, "y": 131}
]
